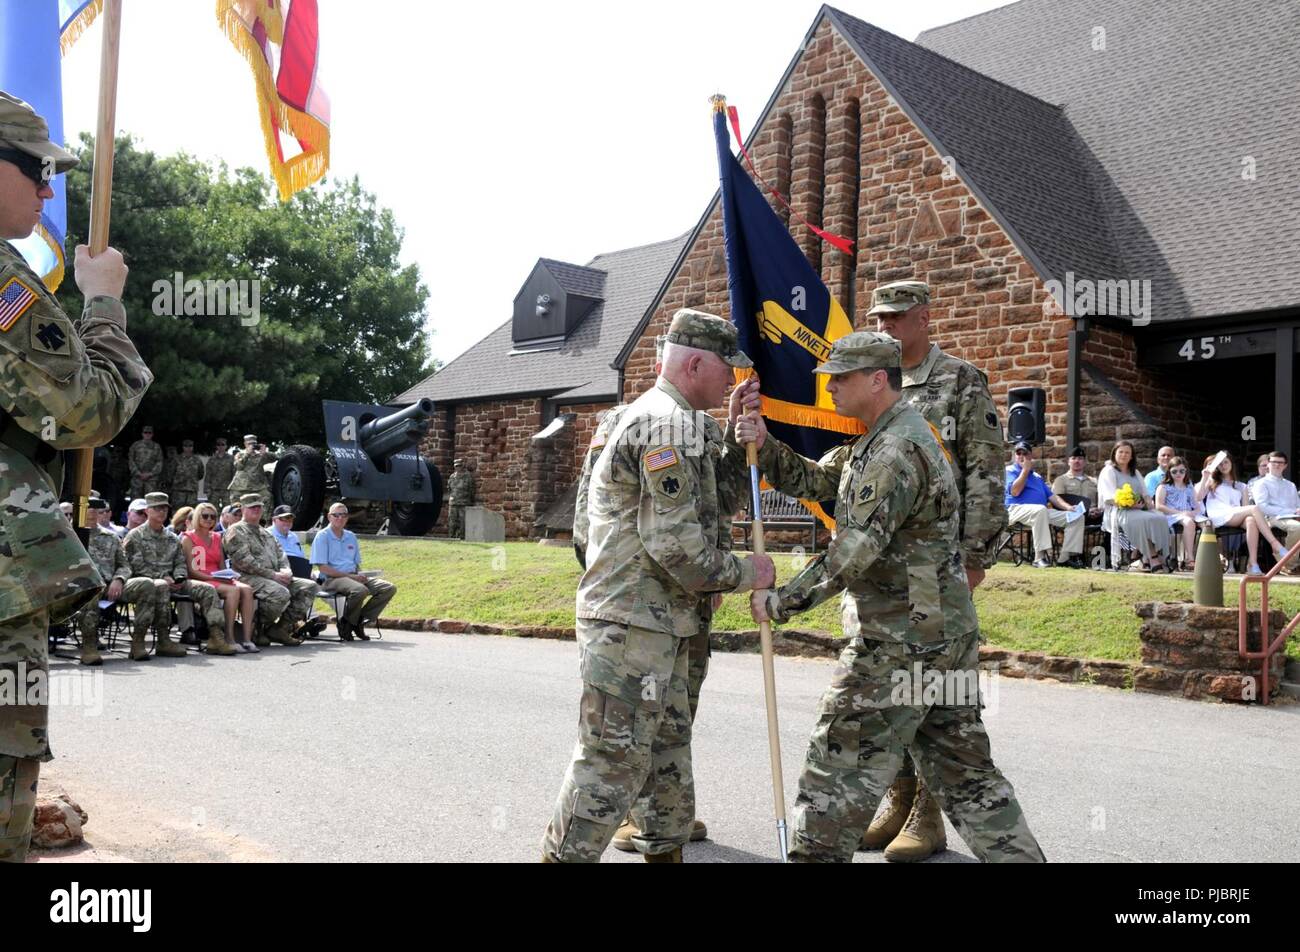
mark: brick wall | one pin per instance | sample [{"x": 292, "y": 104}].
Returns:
[
  {"x": 587, "y": 416},
  {"x": 858, "y": 165}
]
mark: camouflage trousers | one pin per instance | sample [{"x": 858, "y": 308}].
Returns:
[
  {"x": 180, "y": 498},
  {"x": 877, "y": 706},
  {"x": 135, "y": 591},
  {"x": 139, "y": 486},
  {"x": 456, "y": 522},
  {"x": 634, "y": 745},
  {"x": 24, "y": 740},
  {"x": 279, "y": 606},
  {"x": 18, "y": 777},
  {"x": 219, "y": 498},
  {"x": 204, "y": 595}
]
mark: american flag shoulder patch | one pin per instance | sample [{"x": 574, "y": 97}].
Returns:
[
  {"x": 15, "y": 298},
  {"x": 661, "y": 458}
]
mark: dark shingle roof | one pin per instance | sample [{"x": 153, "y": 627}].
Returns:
[
  {"x": 1017, "y": 152},
  {"x": 574, "y": 278},
  {"x": 1167, "y": 114},
  {"x": 579, "y": 368}
]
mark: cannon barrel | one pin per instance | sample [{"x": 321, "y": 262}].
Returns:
[{"x": 383, "y": 438}]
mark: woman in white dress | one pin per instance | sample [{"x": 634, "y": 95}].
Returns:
[
  {"x": 1146, "y": 531},
  {"x": 1227, "y": 503}
]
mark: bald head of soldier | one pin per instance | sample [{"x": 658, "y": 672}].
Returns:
[
  {"x": 902, "y": 310},
  {"x": 864, "y": 375},
  {"x": 699, "y": 354},
  {"x": 28, "y": 163}
]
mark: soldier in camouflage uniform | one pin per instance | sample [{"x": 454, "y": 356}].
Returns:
[
  {"x": 110, "y": 559},
  {"x": 145, "y": 459},
  {"x": 156, "y": 554},
  {"x": 169, "y": 472},
  {"x": 283, "y": 602},
  {"x": 461, "y": 487},
  {"x": 655, "y": 558},
  {"x": 186, "y": 477},
  {"x": 954, "y": 398},
  {"x": 907, "y": 609},
  {"x": 250, "y": 477},
  {"x": 63, "y": 385},
  {"x": 217, "y": 474}
]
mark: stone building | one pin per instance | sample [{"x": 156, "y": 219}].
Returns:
[{"x": 1100, "y": 194}]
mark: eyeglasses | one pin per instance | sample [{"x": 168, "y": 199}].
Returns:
[
  {"x": 1277, "y": 462},
  {"x": 32, "y": 167},
  {"x": 1178, "y": 469},
  {"x": 338, "y": 515}
]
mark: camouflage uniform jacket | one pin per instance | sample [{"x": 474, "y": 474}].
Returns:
[
  {"x": 953, "y": 396},
  {"x": 155, "y": 554},
  {"x": 109, "y": 556},
  {"x": 188, "y": 472},
  {"x": 219, "y": 471},
  {"x": 657, "y": 526},
  {"x": 598, "y": 439},
  {"x": 145, "y": 456},
  {"x": 252, "y": 550},
  {"x": 461, "y": 487},
  {"x": 895, "y": 553},
  {"x": 249, "y": 476},
  {"x": 84, "y": 381}
]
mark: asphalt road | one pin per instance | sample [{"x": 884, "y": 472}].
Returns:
[{"x": 452, "y": 748}]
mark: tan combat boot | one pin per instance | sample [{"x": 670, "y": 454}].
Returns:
[
  {"x": 218, "y": 645},
  {"x": 923, "y": 833},
  {"x": 280, "y": 635},
  {"x": 623, "y": 838},
  {"x": 139, "y": 650},
  {"x": 166, "y": 648},
  {"x": 898, "y": 804},
  {"x": 90, "y": 650},
  {"x": 674, "y": 857}
]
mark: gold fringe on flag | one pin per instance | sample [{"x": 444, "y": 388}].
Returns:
[
  {"x": 79, "y": 25},
  {"x": 291, "y": 175},
  {"x": 55, "y": 277}
]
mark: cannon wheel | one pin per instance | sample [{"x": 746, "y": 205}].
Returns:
[
  {"x": 299, "y": 483},
  {"x": 417, "y": 518}
]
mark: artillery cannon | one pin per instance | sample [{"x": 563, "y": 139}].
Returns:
[{"x": 374, "y": 455}]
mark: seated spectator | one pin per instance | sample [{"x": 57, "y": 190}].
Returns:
[
  {"x": 282, "y": 532},
  {"x": 229, "y": 516},
  {"x": 337, "y": 556},
  {"x": 1140, "y": 528},
  {"x": 204, "y": 555},
  {"x": 1176, "y": 498},
  {"x": 1261, "y": 467},
  {"x": 1075, "y": 482},
  {"x": 104, "y": 516},
  {"x": 1154, "y": 478},
  {"x": 1277, "y": 499},
  {"x": 181, "y": 520},
  {"x": 136, "y": 514},
  {"x": 1227, "y": 503},
  {"x": 1030, "y": 502},
  {"x": 110, "y": 559},
  {"x": 284, "y": 602}
]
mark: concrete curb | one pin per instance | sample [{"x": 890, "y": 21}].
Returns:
[{"x": 794, "y": 642}]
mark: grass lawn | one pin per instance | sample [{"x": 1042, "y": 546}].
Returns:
[{"x": 1083, "y": 614}]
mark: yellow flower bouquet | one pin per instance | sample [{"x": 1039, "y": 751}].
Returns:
[{"x": 1125, "y": 498}]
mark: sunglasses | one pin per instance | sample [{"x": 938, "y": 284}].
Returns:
[
  {"x": 32, "y": 167},
  {"x": 1178, "y": 469},
  {"x": 207, "y": 515}
]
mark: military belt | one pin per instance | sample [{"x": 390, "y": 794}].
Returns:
[{"x": 16, "y": 438}]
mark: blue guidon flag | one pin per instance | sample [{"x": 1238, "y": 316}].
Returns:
[{"x": 784, "y": 314}]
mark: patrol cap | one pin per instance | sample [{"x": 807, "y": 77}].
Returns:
[
  {"x": 156, "y": 499},
  {"x": 862, "y": 350},
  {"x": 146, "y": 428},
  {"x": 459, "y": 462},
  {"x": 187, "y": 444},
  {"x": 707, "y": 332},
  {"x": 1022, "y": 445},
  {"x": 250, "y": 437},
  {"x": 898, "y": 296},
  {"x": 138, "y": 505},
  {"x": 94, "y": 502},
  {"x": 248, "y": 500},
  {"x": 1077, "y": 451},
  {"x": 282, "y": 512},
  {"x": 23, "y": 130}
]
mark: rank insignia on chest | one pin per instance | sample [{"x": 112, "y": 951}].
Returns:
[
  {"x": 15, "y": 298},
  {"x": 661, "y": 458}
]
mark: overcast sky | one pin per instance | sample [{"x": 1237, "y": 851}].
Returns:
[{"x": 497, "y": 133}]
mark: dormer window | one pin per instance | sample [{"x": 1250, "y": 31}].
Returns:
[{"x": 553, "y": 302}]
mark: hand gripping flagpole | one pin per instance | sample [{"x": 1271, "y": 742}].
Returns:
[
  {"x": 769, "y": 669},
  {"x": 101, "y": 195}
]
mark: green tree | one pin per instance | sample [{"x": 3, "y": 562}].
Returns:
[{"x": 338, "y": 316}]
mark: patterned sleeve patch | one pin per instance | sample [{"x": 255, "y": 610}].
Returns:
[
  {"x": 15, "y": 298},
  {"x": 661, "y": 458}
]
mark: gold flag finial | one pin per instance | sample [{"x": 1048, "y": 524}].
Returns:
[{"x": 719, "y": 102}]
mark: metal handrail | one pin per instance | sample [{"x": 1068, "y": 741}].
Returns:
[{"x": 1265, "y": 655}]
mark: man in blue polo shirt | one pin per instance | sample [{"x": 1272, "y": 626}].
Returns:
[
  {"x": 337, "y": 556},
  {"x": 282, "y": 532},
  {"x": 1031, "y": 502}
]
